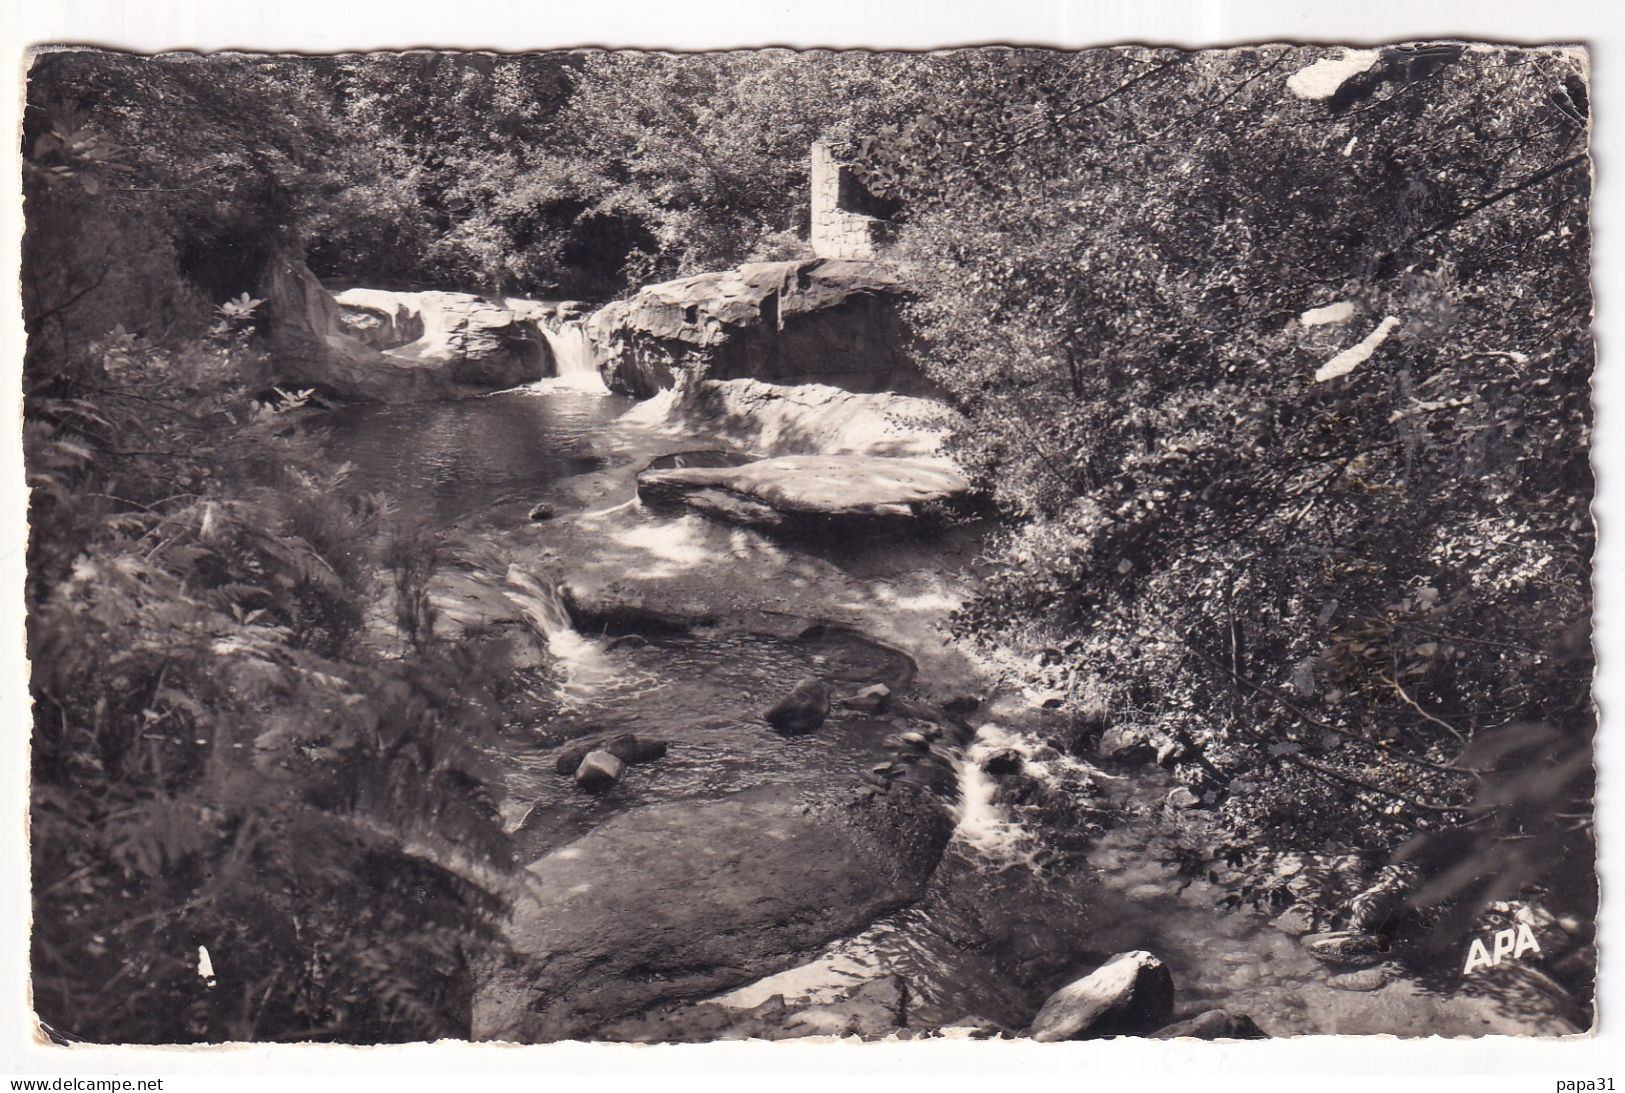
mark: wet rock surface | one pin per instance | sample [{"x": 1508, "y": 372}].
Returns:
[
  {"x": 809, "y": 495},
  {"x": 1130, "y": 994},
  {"x": 817, "y": 321},
  {"x": 801, "y": 419},
  {"x": 673, "y": 901}
]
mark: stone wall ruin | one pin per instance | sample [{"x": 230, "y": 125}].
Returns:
[{"x": 845, "y": 223}]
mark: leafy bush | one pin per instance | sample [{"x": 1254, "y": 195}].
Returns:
[
  {"x": 1326, "y": 575},
  {"x": 220, "y": 759}
]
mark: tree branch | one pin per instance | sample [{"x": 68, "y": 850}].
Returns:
[
  {"x": 1500, "y": 195},
  {"x": 1309, "y": 719},
  {"x": 1332, "y": 775}
]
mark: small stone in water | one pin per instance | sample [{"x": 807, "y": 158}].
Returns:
[
  {"x": 1366, "y": 979},
  {"x": 915, "y": 740},
  {"x": 1297, "y": 920},
  {"x": 869, "y": 699},
  {"x": 803, "y": 709},
  {"x": 598, "y": 771}
]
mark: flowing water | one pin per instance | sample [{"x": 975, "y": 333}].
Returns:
[
  {"x": 575, "y": 363},
  {"x": 1021, "y": 902}
]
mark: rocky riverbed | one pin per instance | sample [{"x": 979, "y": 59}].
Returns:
[{"x": 916, "y": 847}]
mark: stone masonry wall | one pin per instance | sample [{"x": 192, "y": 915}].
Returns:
[{"x": 837, "y": 231}]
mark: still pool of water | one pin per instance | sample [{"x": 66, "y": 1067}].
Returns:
[{"x": 441, "y": 460}]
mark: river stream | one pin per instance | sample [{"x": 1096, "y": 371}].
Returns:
[{"x": 1014, "y": 910}]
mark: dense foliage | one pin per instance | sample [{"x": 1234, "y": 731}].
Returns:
[
  {"x": 255, "y": 814},
  {"x": 547, "y": 175},
  {"x": 1347, "y": 588}
]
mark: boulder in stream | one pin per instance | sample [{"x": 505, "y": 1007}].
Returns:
[
  {"x": 465, "y": 339},
  {"x": 817, "y": 321},
  {"x": 374, "y": 345},
  {"x": 598, "y": 771},
  {"x": 1131, "y": 994},
  {"x": 802, "y": 710},
  {"x": 1213, "y": 1025}
]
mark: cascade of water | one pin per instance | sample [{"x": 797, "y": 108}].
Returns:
[
  {"x": 983, "y": 825},
  {"x": 990, "y": 828},
  {"x": 585, "y": 663},
  {"x": 577, "y": 363}
]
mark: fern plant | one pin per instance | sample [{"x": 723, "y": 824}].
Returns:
[{"x": 221, "y": 758}]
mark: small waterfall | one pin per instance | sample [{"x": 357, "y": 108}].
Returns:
[
  {"x": 983, "y": 825},
  {"x": 544, "y": 607},
  {"x": 573, "y": 355}
]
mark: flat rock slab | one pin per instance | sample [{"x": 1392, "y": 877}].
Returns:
[
  {"x": 674, "y": 901},
  {"x": 800, "y": 419},
  {"x": 811, "y": 492}
]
